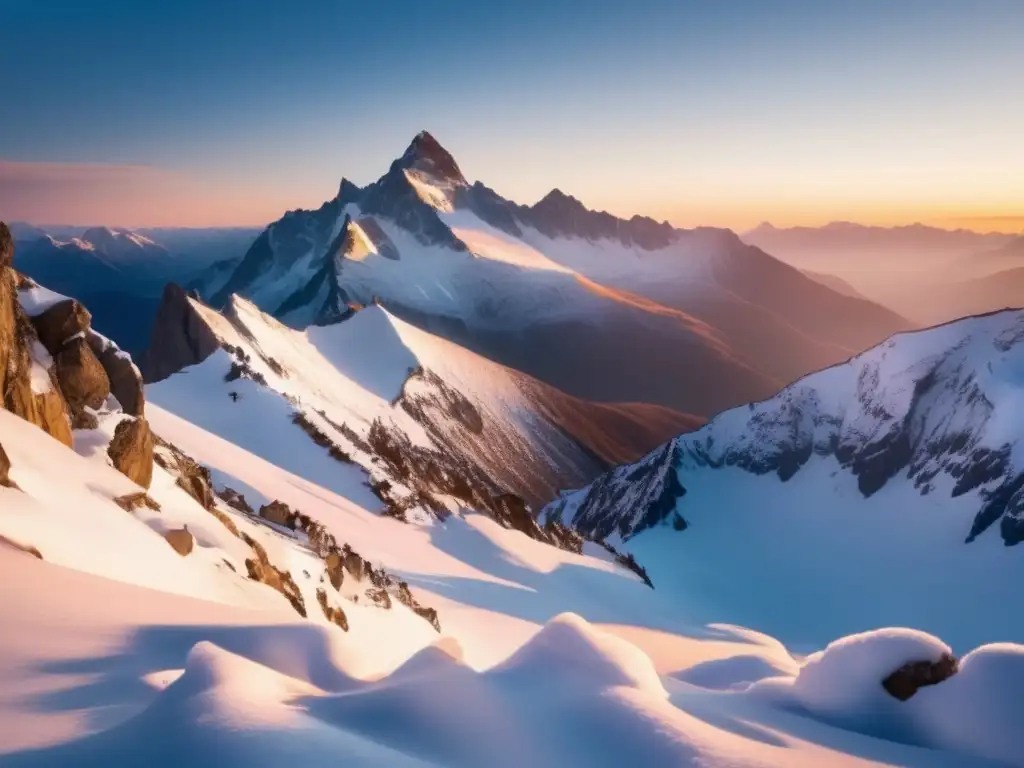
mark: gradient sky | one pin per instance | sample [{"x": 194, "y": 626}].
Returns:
[{"x": 723, "y": 112}]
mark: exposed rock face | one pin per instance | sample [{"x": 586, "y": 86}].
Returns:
[
  {"x": 278, "y": 513},
  {"x": 905, "y": 681},
  {"x": 235, "y": 500},
  {"x": 60, "y": 322},
  {"x": 82, "y": 379},
  {"x": 332, "y": 612},
  {"x": 47, "y": 409},
  {"x": 262, "y": 570},
  {"x": 125, "y": 378},
  {"x": 6, "y": 246},
  {"x": 5, "y": 469},
  {"x": 131, "y": 450},
  {"x": 181, "y": 540},
  {"x": 335, "y": 570},
  {"x": 180, "y": 337}
]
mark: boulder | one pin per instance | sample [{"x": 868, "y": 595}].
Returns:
[
  {"x": 131, "y": 450},
  {"x": 277, "y": 512},
  {"x": 82, "y": 379},
  {"x": 905, "y": 681},
  {"x": 181, "y": 541},
  {"x": 60, "y": 322},
  {"x": 125, "y": 379}
]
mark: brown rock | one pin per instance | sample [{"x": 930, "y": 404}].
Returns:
[
  {"x": 60, "y": 322},
  {"x": 262, "y": 570},
  {"x": 131, "y": 450},
  {"x": 125, "y": 379},
  {"x": 332, "y": 612},
  {"x": 82, "y": 379},
  {"x": 195, "y": 481},
  {"x": 235, "y": 500},
  {"x": 17, "y": 336},
  {"x": 6, "y": 246},
  {"x": 904, "y": 682},
  {"x": 84, "y": 420},
  {"x": 227, "y": 522},
  {"x": 132, "y": 501},
  {"x": 5, "y": 468},
  {"x": 181, "y": 541},
  {"x": 277, "y": 512},
  {"x": 335, "y": 569}
]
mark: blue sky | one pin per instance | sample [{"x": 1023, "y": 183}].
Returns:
[{"x": 724, "y": 112}]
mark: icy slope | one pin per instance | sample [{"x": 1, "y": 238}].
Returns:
[{"x": 573, "y": 297}]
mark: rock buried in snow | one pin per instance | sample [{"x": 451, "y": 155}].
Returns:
[
  {"x": 235, "y": 500},
  {"x": 905, "y": 681},
  {"x": 60, "y": 322},
  {"x": 131, "y": 451},
  {"x": 82, "y": 379},
  {"x": 181, "y": 541},
  {"x": 132, "y": 501}
]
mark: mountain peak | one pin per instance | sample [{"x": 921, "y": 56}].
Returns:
[{"x": 426, "y": 155}]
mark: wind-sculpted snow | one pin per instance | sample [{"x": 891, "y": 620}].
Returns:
[{"x": 938, "y": 408}]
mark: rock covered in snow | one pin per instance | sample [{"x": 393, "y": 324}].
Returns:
[{"x": 60, "y": 322}]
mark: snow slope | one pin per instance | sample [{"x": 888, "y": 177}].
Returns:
[
  {"x": 375, "y": 380},
  {"x": 908, "y": 455},
  {"x": 163, "y": 679}
]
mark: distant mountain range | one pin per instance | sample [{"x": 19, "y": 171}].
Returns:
[
  {"x": 600, "y": 307},
  {"x": 120, "y": 272},
  {"x": 927, "y": 274}
]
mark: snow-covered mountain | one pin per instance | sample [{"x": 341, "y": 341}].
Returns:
[
  {"x": 171, "y": 598},
  {"x": 406, "y": 413},
  {"x": 907, "y": 456},
  {"x": 599, "y": 307}
]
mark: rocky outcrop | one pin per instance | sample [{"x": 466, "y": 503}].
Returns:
[
  {"x": 262, "y": 570},
  {"x": 82, "y": 379},
  {"x": 6, "y": 246},
  {"x": 333, "y": 613},
  {"x": 129, "y": 502},
  {"x": 125, "y": 379},
  {"x": 235, "y": 500},
  {"x": 180, "y": 337},
  {"x": 5, "y": 469},
  {"x": 905, "y": 681},
  {"x": 21, "y": 355},
  {"x": 277, "y": 512},
  {"x": 131, "y": 450},
  {"x": 181, "y": 541},
  {"x": 60, "y": 322}
]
